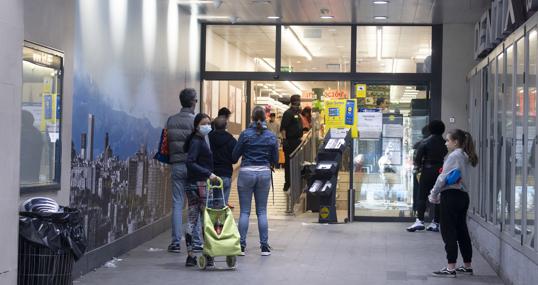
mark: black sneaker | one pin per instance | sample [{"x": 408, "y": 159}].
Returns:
[
  {"x": 197, "y": 248},
  {"x": 445, "y": 272},
  {"x": 210, "y": 261},
  {"x": 191, "y": 261},
  {"x": 266, "y": 250},
  {"x": 464, "y": 270},
  {"x": 242, "y": 251},
  {"x": 174, "y": 248}
]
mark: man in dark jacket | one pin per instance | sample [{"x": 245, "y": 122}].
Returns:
[
  {"x": 429, "y": 158},
  {"x": 179, "y": 127},
  {"x": 291, "y": 129},
  {"x": 222, "y": 145}
]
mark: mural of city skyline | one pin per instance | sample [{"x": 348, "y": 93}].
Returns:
[
  {"x": 128, "y": 72},
  {"x": 116, "y": 196}
]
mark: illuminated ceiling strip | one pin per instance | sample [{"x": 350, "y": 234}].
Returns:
[{"x": 298, "y": 43}]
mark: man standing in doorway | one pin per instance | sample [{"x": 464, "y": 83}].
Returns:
[
  {"x": 291, "y": 129},
  {"x": 179, "y": 127},
  {"x": 429, "y": 158}
]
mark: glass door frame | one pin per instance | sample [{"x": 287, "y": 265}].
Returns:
[{"x": 433, "y": 104}]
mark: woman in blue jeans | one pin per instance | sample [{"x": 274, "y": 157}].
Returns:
[{"x": 259, "y": 148}]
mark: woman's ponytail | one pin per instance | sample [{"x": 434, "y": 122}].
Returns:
[
  {"x": 468, "y": 147},
  {"x": 258, "y": 116},
  {"x": 259, "y": 126},
  {"x": 465, "y": 140}
]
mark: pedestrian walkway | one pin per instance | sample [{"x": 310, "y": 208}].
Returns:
[{"x": 303, "y": 253}]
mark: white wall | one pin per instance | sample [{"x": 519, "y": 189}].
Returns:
[
  {"x": 457, "y": 62},
  {"x": 11, "y": 29},
  {"x": 51, "y": 23}
]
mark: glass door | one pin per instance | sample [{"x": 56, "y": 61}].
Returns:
[{"x": 391, "y": 121}]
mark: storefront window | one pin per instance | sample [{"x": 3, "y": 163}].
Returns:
[
  {"x": 394, "y": 49},
  {"x": 316, "y": 49},
  {"x": 509, "y": 135},
  {"x": 229, "y": 94},
  {"x": 383, "y": 159},
  {"x": 500, "y": 133},
  {"x": 520, "y": 156},
  {"x": 240, "y": 48},
  {"x": 531, "y": 137},
  {"x": 40, "y": 118}
]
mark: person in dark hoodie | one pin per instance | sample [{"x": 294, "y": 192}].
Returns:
[
  {"x": 222, "y": 145},
  {"x": 199, "y": 169},
  {"x": 429, "y": 158}
]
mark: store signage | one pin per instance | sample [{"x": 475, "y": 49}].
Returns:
[
  {"x": 341, "y": 113},
  {"x": 41, "y": 58},
  {"x": 501, "y": 19}
]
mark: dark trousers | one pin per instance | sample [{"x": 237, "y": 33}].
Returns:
[
  {"x": 454, "y": 206},
  {"x": 427, "y": 181},
  {"x": 289, "y": 147}
]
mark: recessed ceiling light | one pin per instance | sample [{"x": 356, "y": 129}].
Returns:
[
  {"x": 381, "y": 17},
  {"x": 381, "y": 2},
  {"x": 324, "y": 14},
  {"x": 273, "y": 17}
]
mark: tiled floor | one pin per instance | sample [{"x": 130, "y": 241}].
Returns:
[{"x": 304, "y": 252}]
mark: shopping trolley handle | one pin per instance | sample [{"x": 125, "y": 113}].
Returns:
[{"x": 210, "y": 185}]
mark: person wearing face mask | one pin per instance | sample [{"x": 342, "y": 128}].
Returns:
[
  {"x": 291, "y": 129},
  {"x": 199, "y": 168}
]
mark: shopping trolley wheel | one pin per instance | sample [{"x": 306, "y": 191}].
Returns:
[
  {"x": 231, "y": 261},
  {"x": 202, "y": 262}
]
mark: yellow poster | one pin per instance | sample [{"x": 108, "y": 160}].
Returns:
[
  {"x": 49, "y": 106},
  {"x": 360, "y": 90},
  {"x": 341, "y": 113}
]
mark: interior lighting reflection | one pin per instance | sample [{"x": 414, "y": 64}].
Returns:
[
  {"x": 118, "y": 22},
  {"x": 149, "y": 29},
  {"x": 172, "y": 30},
  {"x": 298, "y": 45},
  {"x": 379, "y": 42}
]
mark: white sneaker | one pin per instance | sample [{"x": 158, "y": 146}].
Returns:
[
  {"x": 433, "y": 227},
  {"x": 417, "y": 226}
]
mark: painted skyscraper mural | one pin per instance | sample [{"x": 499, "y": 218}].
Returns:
[{"x": 129, "y": 69}]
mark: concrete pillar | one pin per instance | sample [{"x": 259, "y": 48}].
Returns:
[{"x": 12, "y": 30}]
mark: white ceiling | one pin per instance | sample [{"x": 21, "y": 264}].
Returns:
[{"x": 346, "y": 11}]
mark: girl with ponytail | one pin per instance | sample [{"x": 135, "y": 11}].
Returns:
[
  {"x": 451, "y": 191},
  {"x": 259, "y": 152}
]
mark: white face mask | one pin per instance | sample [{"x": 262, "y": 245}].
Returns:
[{"x": 204, "y": 129}]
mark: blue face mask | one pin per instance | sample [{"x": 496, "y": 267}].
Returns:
[{"x": 204, "y": 130}]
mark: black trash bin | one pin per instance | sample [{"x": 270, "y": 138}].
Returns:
[{"x": 49, "y": 245}]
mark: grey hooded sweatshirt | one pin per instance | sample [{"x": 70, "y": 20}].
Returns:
[{"x": 457, "y": 159}]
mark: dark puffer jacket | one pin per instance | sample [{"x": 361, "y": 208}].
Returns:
[
  {"x": 222, "y": 145},
  {"x": 179, "y": 126}
]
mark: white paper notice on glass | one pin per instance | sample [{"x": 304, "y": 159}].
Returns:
[
  {"x": 393, "y": 130},
  {"x": 370, "y": 124}
]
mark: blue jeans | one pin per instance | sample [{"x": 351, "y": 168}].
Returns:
[
  {"x": 227, "y": 184},
  {"x": 255, "y": 183},
  {"x": 179, "y": 183}
]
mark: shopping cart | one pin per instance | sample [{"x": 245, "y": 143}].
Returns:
[{"x": 221, "y": 236}]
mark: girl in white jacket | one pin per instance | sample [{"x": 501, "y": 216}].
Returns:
[{"x": 451, "y": 191}]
